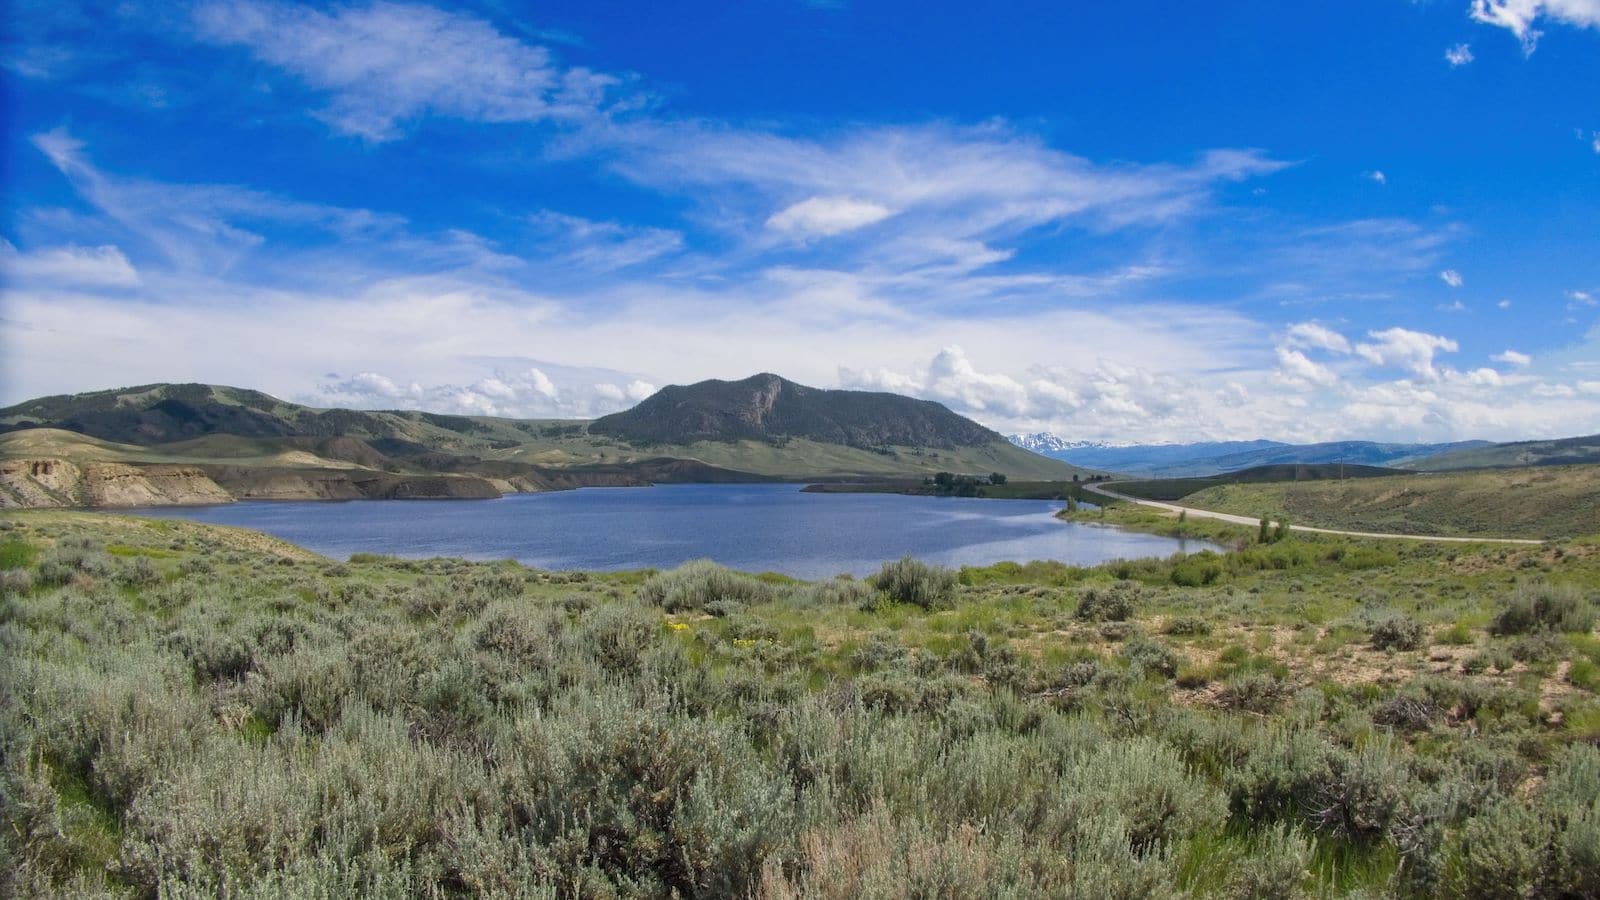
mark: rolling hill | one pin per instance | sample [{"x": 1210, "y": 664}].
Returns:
[
  {"x": 187, "y": 443},
  {"x": 1564, "y": 451},
  {"x": 1211, "y": 458}
]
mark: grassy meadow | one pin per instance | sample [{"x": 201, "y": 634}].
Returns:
[
  {"x": 1537, "y": 502},
  {"x": 191, "y": 711}
]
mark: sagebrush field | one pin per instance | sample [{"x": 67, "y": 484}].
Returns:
[{"x": 194, "y": 711}]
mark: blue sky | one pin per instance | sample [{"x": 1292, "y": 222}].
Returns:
[{"x": 1135, "y": 221}]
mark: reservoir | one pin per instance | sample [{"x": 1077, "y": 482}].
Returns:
[{"x": 754, "y": 528}]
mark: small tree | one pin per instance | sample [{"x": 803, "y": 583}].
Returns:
[
  {"x": 997, "y": 478},
  {"x": 1264, "y": 536}
]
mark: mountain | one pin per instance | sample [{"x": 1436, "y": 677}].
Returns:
[
  {"x": 1563, "y": 451},
  {"x": 766, "y": 407},
  {"x": 1047, "y": 444},
  {"x": 193, "y": 443},
  {"x": 1210, "y": 458}
]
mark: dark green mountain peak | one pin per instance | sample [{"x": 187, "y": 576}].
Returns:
[{"x": 766, "y": 407}]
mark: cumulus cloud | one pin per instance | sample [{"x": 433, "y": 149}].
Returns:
[
  {"x": 1452, "y": 278},
  {"x": 1513, "y": 358},
  {"x": 1458, "y": 56},
  {"x": 1313, "y": 335},
  {"x": 1298, "y": 370},
  {"x": 525, "y": 393},
  {"x": 1520, "y": 16},
  {"x": 1406, "y": 349},
  {"x": 1378, "y": 176},
  {"x": 388, "y": 63}
]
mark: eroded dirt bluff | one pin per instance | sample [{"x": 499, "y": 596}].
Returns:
[{"x": 38, "y": 483}]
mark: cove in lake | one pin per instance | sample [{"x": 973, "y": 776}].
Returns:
[{"x": 755, "y": 528}]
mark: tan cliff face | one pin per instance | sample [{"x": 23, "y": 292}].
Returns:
[{"x": 39, "y": 483}]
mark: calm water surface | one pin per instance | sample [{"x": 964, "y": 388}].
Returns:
[{"x": 750, "y": 527}]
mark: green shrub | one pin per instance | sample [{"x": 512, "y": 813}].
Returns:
[
  {"x": 696, "y": 585},
  {"x": 1545, "y": 607},
  {"x": 1257, "y": 692},
  {"x": 1197, "y": 570},
  {"x": 1146, "y": 656},
  {"x": 839, "y": 592},
  {"x": 1457, "y": 635},
  {"x": 1396, "y": 632},
  {"x": 1497, "y": 853},
  {"x": 914, "y": 582},
  {"x": 1102, "y": 603},
  {"x": 1187, "y": 626},
  {"x": 1277, "y": 866}
]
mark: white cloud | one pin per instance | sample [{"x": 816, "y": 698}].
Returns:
[
  {"x": 1458, "y": 56},
  {"x": 590, "y": 244},
  {"x": 386, "y": 64},
  {"x": 1313, "y": 335},
  {"x": 1504, "y": 304},
  {"x": 1297, "y": 369},
  {"x": 206, "y": 226},
  {"x": 1520, "y": 16},
  {"x": 1378, "y": 176},
  {"x": 1595, "y": 142},
  {"x": 104, "y": 266},
  {"x": 1451, "y": 277},
  {"x": 525, "y": 393},
  {"x": 1513, "y": 358},
  {"x": 1406, "y": 349},
  {"x": 941, "y": 193},
  {"x": 1581, "y": 298},
  {"x": 826, "y": 216}
]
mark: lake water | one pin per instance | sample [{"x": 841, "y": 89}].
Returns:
[{"x": 756, "y": 528}]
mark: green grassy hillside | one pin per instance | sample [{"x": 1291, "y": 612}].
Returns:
[
  {"x": 1168, "y": 489},
  {"x": 208, "y": 425},
  {"x": 1565, "y": 451},
  {"x": 1544, "y": 502}
]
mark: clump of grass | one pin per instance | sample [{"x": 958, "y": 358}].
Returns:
[{"x": 1459, "y": 634}]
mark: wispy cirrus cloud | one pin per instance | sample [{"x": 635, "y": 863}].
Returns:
[{"x": 386, "y": 65}]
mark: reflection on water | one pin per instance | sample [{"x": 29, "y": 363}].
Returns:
[{"x": 751, "y": 527}]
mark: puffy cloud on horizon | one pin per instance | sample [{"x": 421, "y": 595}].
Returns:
[{"x": 528, "y": 394}]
